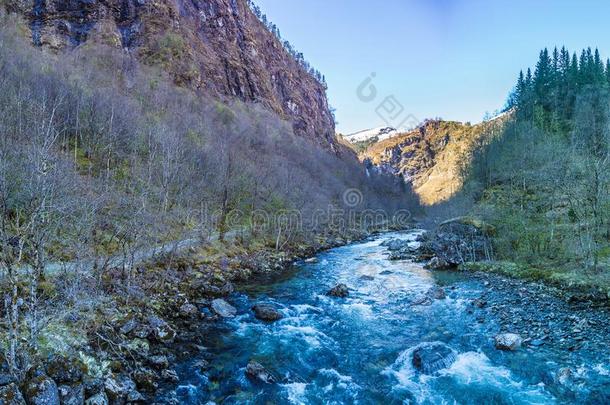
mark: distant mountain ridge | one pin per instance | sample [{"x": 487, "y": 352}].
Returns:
[{"x": 431, "y": 157}]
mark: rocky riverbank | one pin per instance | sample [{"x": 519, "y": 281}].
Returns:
[{"x": 125, "y": 347}]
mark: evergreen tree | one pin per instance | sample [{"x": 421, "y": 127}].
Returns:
[{"x": 598, "y": 69}]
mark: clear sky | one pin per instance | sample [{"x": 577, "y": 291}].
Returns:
[{"x": 454, "y": 59}]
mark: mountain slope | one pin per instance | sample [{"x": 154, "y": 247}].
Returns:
[
  {"x": 218, "y": 47},
  {"x": 432, "y": 156}
]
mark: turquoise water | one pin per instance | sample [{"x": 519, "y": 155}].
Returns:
[{"x": 358, "y": 350}]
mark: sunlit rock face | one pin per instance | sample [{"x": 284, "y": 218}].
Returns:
[{"x": 218, "y": 47}]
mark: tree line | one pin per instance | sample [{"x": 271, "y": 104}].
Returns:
[
  {"x": 546, "y": 178},
  {"x": 298, "y": 56}
]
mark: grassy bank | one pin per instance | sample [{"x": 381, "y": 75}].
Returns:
[{"x": 576, "y": 281}]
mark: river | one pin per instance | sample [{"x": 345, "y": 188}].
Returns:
[{"x": 359, "y": 349}]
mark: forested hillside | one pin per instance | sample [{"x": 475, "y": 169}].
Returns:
[{"x": 545, "y": 181}]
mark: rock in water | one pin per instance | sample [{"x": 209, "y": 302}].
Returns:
[
  {"x": 437, "y": 293},
  {"x": 433, "y": 356},
  {"x": 340, "y": 291},
  {"x": 258, "y": 372},
  {"x": 437, "y": 263},
  {"x": 508, "y": 341},
  {"x": 223, "y": 308},
  {"x": 395, "y": 244},
  {"x": 266, "y": 312},
  {"x": 565, "y": 376}
]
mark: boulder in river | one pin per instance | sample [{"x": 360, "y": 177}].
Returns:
[
  {"x": 508, "y": 341},
  {"x": 565, "y": 377},
  {"x": 258, "y": 372},
  {"x": 223, "y": 308},
  {"x": 437, "y": 293},
  {"x": 458, "y": 240},
  {"x": 436, "y": 263},
  {"x": 266, "y": 312},
  {"x": 340, "y": 291},
  {"x": 430, "y": 357},
  {"x": 395, "y": 244}
]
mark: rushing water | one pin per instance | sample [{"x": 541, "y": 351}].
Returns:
[{"x": 358, "y": 350}]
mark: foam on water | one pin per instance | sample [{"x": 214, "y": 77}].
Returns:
[
  {"x": 602, "y": 369},
  {"x": 295, "y": 393},
  {"x": 307, "y": 333},
  {"x": 470, "y": 369}
]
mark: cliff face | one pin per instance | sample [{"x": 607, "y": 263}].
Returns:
[
  {"x": 432, "y": 156},
  {"x": 215, "y": 46}
]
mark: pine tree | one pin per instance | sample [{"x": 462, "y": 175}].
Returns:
[{"x": 598, "y": 69}]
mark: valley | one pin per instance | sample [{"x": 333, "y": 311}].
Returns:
[{"x": 181, "y": 221}]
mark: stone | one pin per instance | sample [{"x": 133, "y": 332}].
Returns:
[
  {"x": 266, "y": 312},
  {"x": 340, "y": 291},
  {"x": 436, "y": 263},
  {"x": 170, "y": 375},
  {"x": 395, "y": 244},
  {"x": 437, "y": 293},
  {"x": 128, "y": 327},
  {"x": 65, "y": 370},
  {"x": 6, "y": 378},
  {"x": 135, "y": 397},
  {"x": 430, "y": 357},
  {"x": 118, "y": 388},
  {"x": 159, "y": 362},
  {"x": 146, "y": 379},
  {"x": 188, "y": 310},
  {"x": 227, "y": 289},
  {"x": 479, "y": 303},
  {"x": 223, "y": 308},
  {"x": 161, "y": 329},
  {"x": 508, "y": 341},
  {"x": 41, "y": 390},
  {"x": 93, "y": 386},
  {"x": 258, "y": 372},
  {"x": 459, "y": 240},
  {"x": 98, "y": 399},
  {"x": 565, "y": 376},
  {"x": 72, "y": 394},
  {"x": 10, "y": 395}
]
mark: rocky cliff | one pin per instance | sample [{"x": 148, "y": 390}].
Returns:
[
  {"x": 219, "y": 47},
  {"x": 432, "y": 156}
]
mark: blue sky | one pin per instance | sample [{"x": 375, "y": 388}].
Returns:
[{"x": 455, "y": 59}]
